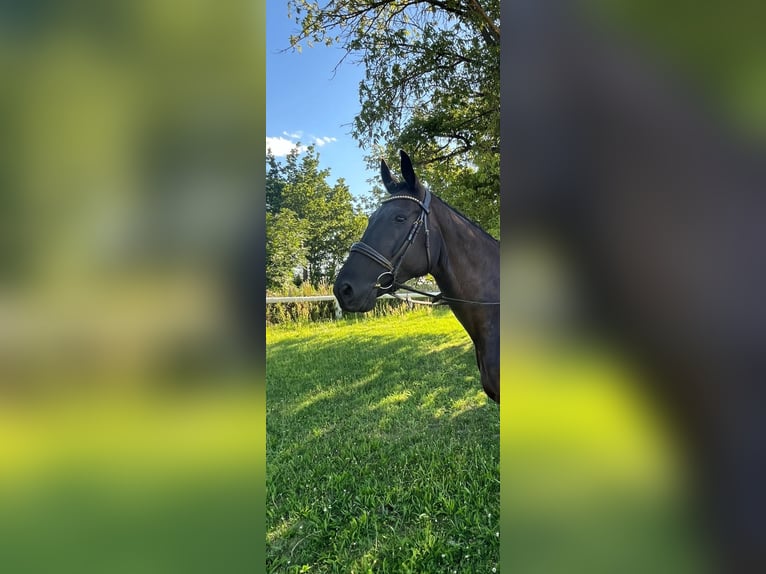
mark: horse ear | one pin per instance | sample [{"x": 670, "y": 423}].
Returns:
[
  {"x": 388, "y": 181},
  {"x": 407, "y": 171}
]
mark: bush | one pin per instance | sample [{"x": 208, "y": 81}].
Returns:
[{"x": 309, "y": 311}]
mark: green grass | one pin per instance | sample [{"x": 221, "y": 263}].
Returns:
[
  {"x": 594, "y": 481},
  {"x": 382, "y": 449},
  {"x": 132, "y": 484}
]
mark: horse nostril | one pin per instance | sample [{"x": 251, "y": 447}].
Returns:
[{"x": 346, "y": 290}]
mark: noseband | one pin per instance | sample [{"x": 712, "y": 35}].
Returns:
[{"x": 392, "y": 267}]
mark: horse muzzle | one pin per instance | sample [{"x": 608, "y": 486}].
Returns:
[{"x": 352, "y": 299}]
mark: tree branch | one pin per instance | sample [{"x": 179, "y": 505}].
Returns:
[{"x": 493, "y": 30}]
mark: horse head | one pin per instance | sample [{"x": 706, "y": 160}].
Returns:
[{"x": 394, "y": 247}]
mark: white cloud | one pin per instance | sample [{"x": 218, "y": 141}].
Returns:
[
  {"x": 280, "y": 146},
  {"x": 324, "y": 140}
]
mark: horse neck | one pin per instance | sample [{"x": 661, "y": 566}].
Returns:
[{"x": 467, "y": 265}]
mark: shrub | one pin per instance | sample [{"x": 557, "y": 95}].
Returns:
[{"x": 309, "y": 311}]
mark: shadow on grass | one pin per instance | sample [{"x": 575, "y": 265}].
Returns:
[{"x": 382, "y": 450}]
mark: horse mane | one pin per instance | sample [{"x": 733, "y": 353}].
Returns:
[{"x": 465, "y": 218}]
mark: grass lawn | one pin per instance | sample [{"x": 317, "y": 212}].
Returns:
[
  {"x": 132, "y": 484},
  {"x": 382, "y": 449},
  {"x": 593, "y": 481}
]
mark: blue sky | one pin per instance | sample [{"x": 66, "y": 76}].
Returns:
[{"x": 307, "y": 102}]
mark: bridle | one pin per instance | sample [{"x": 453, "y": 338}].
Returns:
[{"x": 392, "y": 267}]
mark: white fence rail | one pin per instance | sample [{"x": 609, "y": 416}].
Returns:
[{"x": 338, "y": 310}]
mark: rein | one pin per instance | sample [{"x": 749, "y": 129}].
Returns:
[
  {"x": 438, "y": 298},
  {"x": 391, "y": 268}
]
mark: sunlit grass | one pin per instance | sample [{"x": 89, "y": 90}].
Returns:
[
  {"x": 131, "y": 482},
  {"x": 382, "y": 449},
  {"x": 592, "y": 477},
  {"x": 133, "y": 433}
]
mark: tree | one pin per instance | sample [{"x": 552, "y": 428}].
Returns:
[
  {"x": 274, "y": 183},
  {"x": 285, "y": 248},
  {"x": 322, "y": 216},
  {"x": 431, "y": 86}
]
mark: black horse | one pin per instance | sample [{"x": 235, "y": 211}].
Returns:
[
  {"x": 664, "y": 212},
  {"x": 415, "y": 233}
]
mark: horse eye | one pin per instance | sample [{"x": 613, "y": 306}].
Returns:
[{"x": 400, "y": 218}]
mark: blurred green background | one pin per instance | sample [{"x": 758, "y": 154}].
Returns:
[
  {"x": 131, "y": 176},
  {"x": 594, "y": 479},
  {"x": 131, "y": 401}
]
